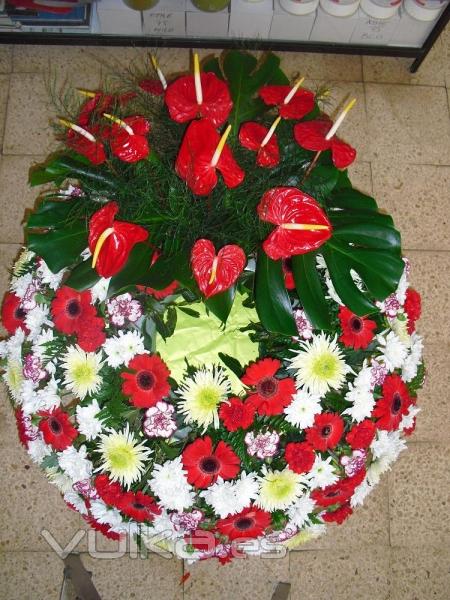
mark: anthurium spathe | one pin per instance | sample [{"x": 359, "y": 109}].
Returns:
[
  {"x": 85, "y": 141},
  {"x": 302, "y": 226},
  {"x": 312, "y": 135},
  {"x": 215, "y": 273},
  {"x": 299, "y": 105},
  {"x": 128, "y": 138},
  {"x": 111, "y": 241},
  {"x": 200, "y": 157},
  {"x": 252, "y": 136}
]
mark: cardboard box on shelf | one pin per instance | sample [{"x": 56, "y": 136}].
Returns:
[
  {"x": 376, "y": 32},
  {"x": 286, "y": 26},
  {"x": 168, "y": 17},
  {"x": 206, "y": 24},
  {"x": 113, "y": 17},
  {"x": 328, "y": 28},
  {"x": 250, "y": 19}
]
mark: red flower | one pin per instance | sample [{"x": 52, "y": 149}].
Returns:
[
  {"x": 204, "y": 465},
  {"x": 413, "y": 308},
  {"x": 326, "y": 432},
  {"x": 57, "y": 429},
  {"x": 194, "y": 160},
  {"x": 102, "y": 527},
  {"x": 357, "y": 332},
  {"x": 361, "y": 435},
  {"x": 129, "y": 142},
  {"x": 152, "y": 86},
  {"x": 91, "y": 335},
  {"x": 237, "y": 414},
  {"x": 138, "y": 506},
  {"x": 393, "y": 405},
  {"x": 13, "y": 315},
  {"x": 215, "y": 273},
  {"x": 249, "y": 523},
  {"x": 160, "y": 294},
  {"x": 23, "y": 427},
  {"x": 339, "y": 515},
  {"x": 300, "y": 105},
  {"x": 147, "y": 384},
  {"x": 271, "y": 395},
  {"x": 302, "y": 224},
  {"x": 98, "y": 104},
  {"x": 410, "y": 430},
  {"x": 109, "y": 491},
  {"x": 182, "y": 101},
  {"x": 251, "y": 136},
  {"x": 71, "y": 309},
  {"x": 338, "y": 493},
  {"x": 300, "y": 457},
  {"x": 289, "y": 281},
  {"x": 311, "y": 135},
  {"x": 90, "y": 148},
  {"x": 118, "y": 239}
]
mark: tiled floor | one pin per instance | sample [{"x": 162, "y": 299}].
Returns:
[{"x": 398, "y": 546}]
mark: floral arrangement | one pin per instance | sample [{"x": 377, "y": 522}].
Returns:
[{"x": 211, "y": 333}]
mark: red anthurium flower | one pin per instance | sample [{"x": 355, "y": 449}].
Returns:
[
  {"x": 71, "y": 309},
  {"x": 300, "y": 105},
  {"x": 204, "y": 465},
  {"x": 326, "y": 432},
  {"x": 300, "y": 456},
  {"x": 152, "y": 86},
  {"x": 128, "y": 140},
  {"x": 339, "y": 515},
  {"x": 413, "y": 308},
  {"x": 181, "y": 99},
  {"x": 115, "y": 239},
  {"x": 94, "y": 105},
  {"x": 109, "y": 491},
  {"x": 215, "y": 273},
  {"x": 91, "y": 335},
  {"x": 249, "y": 523},
  {"x": 139, "y": 506},
  {"x": 311, "y": 135},
  {"x": 87, "y": 145},
  {"x": 393, "y": 405},
  {"x": 56, "y": 428},
  {"x": 236, "y": 414},
  {"x": 158, "y": 294},
  {"x": 13, "y": 315},
  {"x": 251, "y": 136},
  {"x": 338, "y": 493},
  {"x": 361, "y": 435},
  {"x": 289, "y": 281},
  {"x": 194, "y": 162},
  {"x": 271, "y": 395},
  {"x": 147, "y": 383},
  {"x": 302, "y": 224},
  {"x": 357, "y": 332}
]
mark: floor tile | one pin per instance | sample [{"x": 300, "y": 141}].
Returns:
[
  {"x": 331, "y": 67},
  {"x": 420, "y": 574},
  {"x": 414, "y": 195},
  {"x": 360, "y": 174},
  {"x": 408, "y": 125},
  {"x": 30, "y": 575},
  {"x": 4, "y": 89},
  {"x": 6, "y": 52},
  {"x": 419, "y": 497}
]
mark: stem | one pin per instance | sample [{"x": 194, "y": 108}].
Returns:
[{"x": 311, "y": 166}]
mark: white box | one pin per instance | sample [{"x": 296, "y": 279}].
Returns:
[
  {"x": 328, "y": 28},
  {"x": 250, "y": 19},
  {"x": 410, "y": 31},
  {"x": 114, "y": 17},
  {"x": 369, "y": 30},
  {"x": 206, "y": 24},
  {"x": 286, "y": 26},
  {"x": 168, "y": 17}
]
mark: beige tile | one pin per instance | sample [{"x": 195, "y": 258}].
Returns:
[
  {"x": 415, "y": 195},
  {"x": 4, "y": 89},
  {"x": 331, "y": 67},
  {"x": 16, "y": 196},
  {"x": 30, "y": 575},
  {"x": 243, "y": 579},
  {"x": 6, "y": 58},
  {"x": 419, "y": 497},
  {"x": 408, "y": 125},
  {"x": 420, "y": 574},
  {"x": 360, "y": 174},
  {"x": 338, "y": 575}
]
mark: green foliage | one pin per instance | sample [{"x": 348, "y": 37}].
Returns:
[{"x": 310, "y": 291}]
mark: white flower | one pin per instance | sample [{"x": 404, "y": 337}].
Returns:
[
  {"x": 82, "y": 371},
  {"x": 159, "y": 420},
  {"x": 20, "y": 285},
  {"x": 124, "y": 308},
  {"x": 38, "y": 449},
  {"x": 298, "y": 512},
  {"x": 393, "y": 350},
  {"x": 122, "y": 348},
  {"x": 302, "y": 410},
  {"x": 262, "y": 445},
  {"x": 88, "y": 424},
  {"x": 414, "y": 358},
  {"x": 170, "y": 484},
  {"x": 35, "y": 319},
  {"x": 28, "y": 397},
  {"x": 24, "y": 258},
  {"x": 278, "y": 489},
  {"x": 362, "y": 400},
  {"x": 231, "y": 497},
  {"x": 161, "y": 528},
  {"x": 13, "y": 378},
  {"x": 35, "y": 400},
  {"x": 40, "y": 343},
  {"x": 76, "y": 501},
  {"x": 14, "y": 345},
  {"x": 403, "y": 284},
  {"x": 304, "y": 327},
  {"x": 385, "y": 448},
  {"x": 408, "y": 420},
  {"x": 48, "y": 396},
  {"x": 104, "y": 514},
  {"x": 62, "y": 481},
  {"x": 75, "y": 464},
  {"x": 360, "y": 494},
  {"x": 3, "y": 349},
  {"x": 99, "y": 291},
  {"x": 399, "y": 326},
  {"x": 53, "y": 280},
  {"x": 332, "y": 294},
  {"x": 322, "y": 473}
]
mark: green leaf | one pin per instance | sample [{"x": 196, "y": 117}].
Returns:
[
  {"x": 369, "y": 235},
  {"x": 166, "y": 269},
  {"x": 310, "y": 291},
  {"x": 352, "y": 199},
  {"x": 232, "y": 363},
  {"x": 213, "y": 66},
  {"x": 272, "y": 301},
  {"x": 135, "y": 270},
  {"x": 321, "y": 182},
  {"x": 61, "y": 167},
  {"x": 189, "y": 311},
  {"x": 221, "y": 304},
  {"x": 166, "y": 327},
  {"x": 83, "y": 276}
]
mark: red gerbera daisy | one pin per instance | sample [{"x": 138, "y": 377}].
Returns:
[
  {"x": 393, "y": 405},
  {"x": 138, "y": 506},
  {"x": 300, "y": 456},
  {"x": 339, "y": 515},
  {"x": 237, "y": 413},
  {"x": 57, "y": 429},
  {"x": 13, "y": 315},
  {"x": 361, "y": 435},
  {"x": 413, "y": 308},
  {"x": 91, "y": 335},
  {"x": 71, "y": 309},
  {"x": 204, "y": 465},
  {"x": 357, "y": 332},
  {"x": 338, "y": 493},
  {"x": 109, "y": 491},
  {"x": 147, "y": 384},
  {"x": 326, "y": 431},
  {"x": 271, "y": 395},
  {"x": 249, "y": 523}
]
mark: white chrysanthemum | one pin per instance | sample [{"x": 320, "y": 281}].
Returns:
[
  {"x": 48, "y": 395},
  {"x": 231, "y": 497},
  {"x": 75, "y": 464},
  {"x": 201, "y": 396},
  {"x": 362, "y": 400},
  {"x": 385, "y": 448},
  {"x": 360, "y": 494},
  {"x": 14, "y": 345},
  {"x": 53, "y": 280},
  {"x": 76, "y": 501},
  {"x": 38, "y": 449},
  {"x": 319, "y": 365},
  {"x": 41, "y": 341},
  {"x": 364, "y": 376},
  {"x": 399, "y": 326},
  {"x": 123, "y": 456},
  {"x": 302, "y": 410},
  {"x": 170, "y": 484},
  {"x": 13, "y": 378},
  {"x": 35, "y": 319},
  {"x": 3, "y": 349},
  {"x": 24, "y": 258},
  {"x": 298, "y": 512},
  {"x": 414, "y": 358},
  {"x": 107, "y": 515},
  {"x": 279, "y": 489},
  {"x": 82, "y": 371},
  {"x": 88, "y": 424},
  {"x": 322, "y": 473},
  {"x": 99, "y": 291},
  {"x": 34, "y": 400},
  {"x": 393, "y": 350},
  {"x": 19, "y": 285},
  {"x": 403, "y": 284},
  {"x": 160, "y": 530},
  {"x": 128, "y": 528},
  {"x": 62, "y": 481},
  {"x": 408, "y": 420},
  {"x": 122, "y": 348}
]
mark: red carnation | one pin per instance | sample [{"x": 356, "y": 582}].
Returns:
[
  {"x": 91, "y": 334},
  {"x": 326, "y": 432},
  {"x": 128, "y": 140},
  {"x": 251, "y": 136},
  {"x": 300, "y": 456},
  {"x": 311, "y": 135},
  {"x": 236, "y": 413},
  {"x": 361, "y": 435},
  {"x": 23, "y": 427},
  {"x": 357, "y": 332},
  {"x": 57, "y": 429},
  {"x": 109, "y": 491},
  {"x": 271, "y": 395},
  {"x": 300, "y": 105},
  {"x": 413, "y": 308},
  {"x": 204, "y": 465},
  {"x": 249, "y": 523},
  {"x": 13, "y": 315},
  {"x": 147, "y": 383},
  {"x": 338, "y": 493},
  {"x": 393, "y": 405},
  {"x": 339, "y": 515},
  {"x": 87, "y": 144},
  {"x": 138, "y": 506}
]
